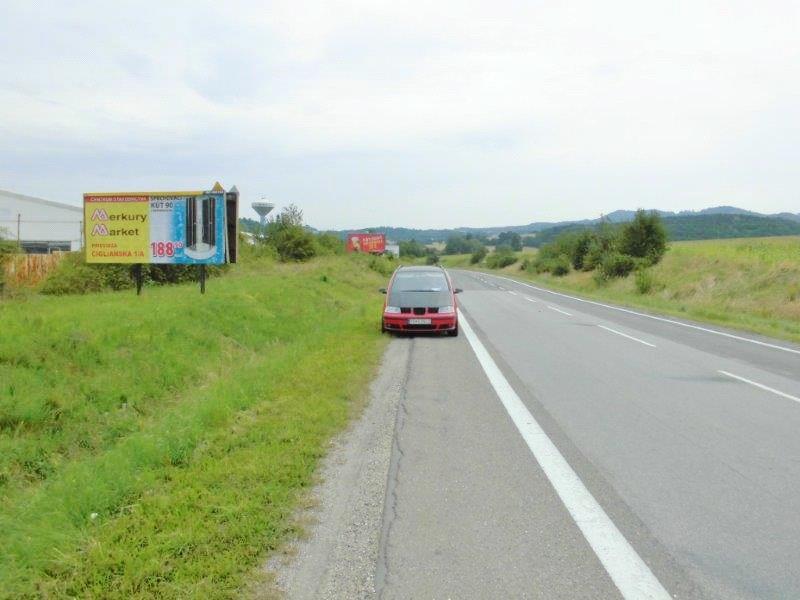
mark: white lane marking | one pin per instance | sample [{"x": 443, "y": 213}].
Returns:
[
  {"x": 655, "y": 318},
  {"x": 563, "y": 312},
  {"x": 512, "y": 292},
  {"x": 627, "y": 570},
  {"x": 762, "y": 386},
  {"x": 630, "y": 337},
  {"x": 529, "y": 299}
]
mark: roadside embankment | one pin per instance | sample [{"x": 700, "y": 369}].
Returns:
[
  {"x": 751, "y": 284},
  {"x": 158, "y": 445}
]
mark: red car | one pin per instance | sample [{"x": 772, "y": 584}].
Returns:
[{"x": 420, "y": 299}]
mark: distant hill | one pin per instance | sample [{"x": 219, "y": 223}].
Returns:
[
  {"x": 788, "y": 216},
  {"x": 708, "y": 223},
  {"x": 719, "y": 225},
  {"x": 708, "y": 226}
]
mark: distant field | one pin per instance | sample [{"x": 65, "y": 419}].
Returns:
[
  {"x": 157, "y": 446},
  {"x": 751, "y": 283}
]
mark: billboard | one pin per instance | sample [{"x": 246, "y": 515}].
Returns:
[
  {"x": 373, "y": 243},
  {"x": 182, "y": 228}
]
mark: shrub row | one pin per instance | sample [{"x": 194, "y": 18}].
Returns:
[
  {"x": 501, "y": 257},
  {"x": 610, "y": 251},
  {"x": 288, "y": 239},
  {"x": 74, "y": 275}
]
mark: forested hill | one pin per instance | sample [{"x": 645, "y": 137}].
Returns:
[
  {"x": 710, "y": 223},
  {"x": 719, "y": 226},
  {"x": 698, "y": 227}
]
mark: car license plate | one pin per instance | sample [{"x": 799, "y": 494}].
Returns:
[{"x": 419, "y": 321}]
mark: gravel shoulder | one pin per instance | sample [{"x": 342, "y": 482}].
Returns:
[{"x": 338, "y": 558}]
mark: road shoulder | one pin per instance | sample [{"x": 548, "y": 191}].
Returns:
[{"x": 338, "y": 558}]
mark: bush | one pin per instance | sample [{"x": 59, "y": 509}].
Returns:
[
  {"x": 615, "y": 264},
  {"x": 381, "y": 264},
  {"x": 501, "y": 257},
  {"x": 461, "y": 244},
  {"x": 328, "y": 243},
  {"x": 560, "y": 266},
  {"x": 599, "y": 279},
  {"x": 478, "y": 255},
  {"x": 258, "y": 250},
  {"x": 539, "y": 265},
  {"x": 293, "y": 242},
  {"x": 6, "y": 250},
  {"x": 432, "y": 259},
  {"x": 557, "y": 265},
  {"x": 594, "y": 255},
  {"x": 412, "y": 248},
  {"x": 73, "y": 276},
  {"x": 573, "y": 245},
  {"x": 644, "y": 281},
  {"x": 645, "y": 237}
]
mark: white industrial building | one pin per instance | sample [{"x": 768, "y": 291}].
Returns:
[{"x": 40, "y": 226}]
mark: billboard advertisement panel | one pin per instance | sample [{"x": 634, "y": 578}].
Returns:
[
  {"x": 181, "y": 228},
  {"x": 373, "y": 243}
]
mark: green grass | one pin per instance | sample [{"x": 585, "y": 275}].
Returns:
[
  {"x": 751, "y": 284},
  {"x": 157, "y": 446}
]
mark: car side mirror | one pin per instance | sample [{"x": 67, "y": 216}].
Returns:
[
  {"x": 382, "y": 290},
  {"x": 457, "y": 291}
]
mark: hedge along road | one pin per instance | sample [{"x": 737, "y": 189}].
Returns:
[{"x": 564, "y": 449}]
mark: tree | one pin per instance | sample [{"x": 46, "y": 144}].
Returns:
[
  {"x": 289, "y": 237},
  {"x": 644, "y": 237},
  {"x": 478, "y": 255},
  {"x": 291, "y": 215},
  {"x": 511, "y": 239},
  {"x": 412, "y": 248},
  {"x": 329, "y": 243}
]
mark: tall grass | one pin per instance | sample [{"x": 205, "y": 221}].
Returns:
[{"x": 156, "y": 445}]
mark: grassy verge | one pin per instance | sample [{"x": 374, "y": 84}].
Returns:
[
  {"x": 750, "y": 284},
  {"x": 157, "y": 446}
]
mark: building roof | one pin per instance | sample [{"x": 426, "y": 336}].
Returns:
[{"x": 33, "y": 199}]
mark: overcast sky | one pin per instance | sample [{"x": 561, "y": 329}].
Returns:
[{"x": 429, "y": 114}]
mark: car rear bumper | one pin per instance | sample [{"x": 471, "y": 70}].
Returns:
[{"x": 438, "y": 323}]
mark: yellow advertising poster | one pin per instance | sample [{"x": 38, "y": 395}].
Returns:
[
  {"x": 117, "y": 228},
  {"x": 179, "y": 228}
]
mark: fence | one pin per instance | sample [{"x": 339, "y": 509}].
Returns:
[{"x": 30, "y": 269}]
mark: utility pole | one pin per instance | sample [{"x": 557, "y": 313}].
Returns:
[{"x": 19, "y": 239}]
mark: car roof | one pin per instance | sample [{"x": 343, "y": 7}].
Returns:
[{"x": 422, "y": 269}]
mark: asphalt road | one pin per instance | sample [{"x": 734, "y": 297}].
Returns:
[{"x": 565, "y": 449}]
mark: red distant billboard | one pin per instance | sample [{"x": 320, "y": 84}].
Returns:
[{"x": 371, "y": 243}]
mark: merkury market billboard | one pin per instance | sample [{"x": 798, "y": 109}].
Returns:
[{"x": 156, "y": 227}]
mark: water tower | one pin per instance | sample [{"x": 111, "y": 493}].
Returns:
[{"x": 263, "y": 209}]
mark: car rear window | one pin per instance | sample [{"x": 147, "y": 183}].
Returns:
[{"x": 424, "y": 281}]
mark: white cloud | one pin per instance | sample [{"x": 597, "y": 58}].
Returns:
[{"x": 521, "y": 110}]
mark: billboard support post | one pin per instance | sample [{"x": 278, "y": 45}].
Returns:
[
  {"x": 202, "y": 278},
  {"x": 137, "y": 277}
]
